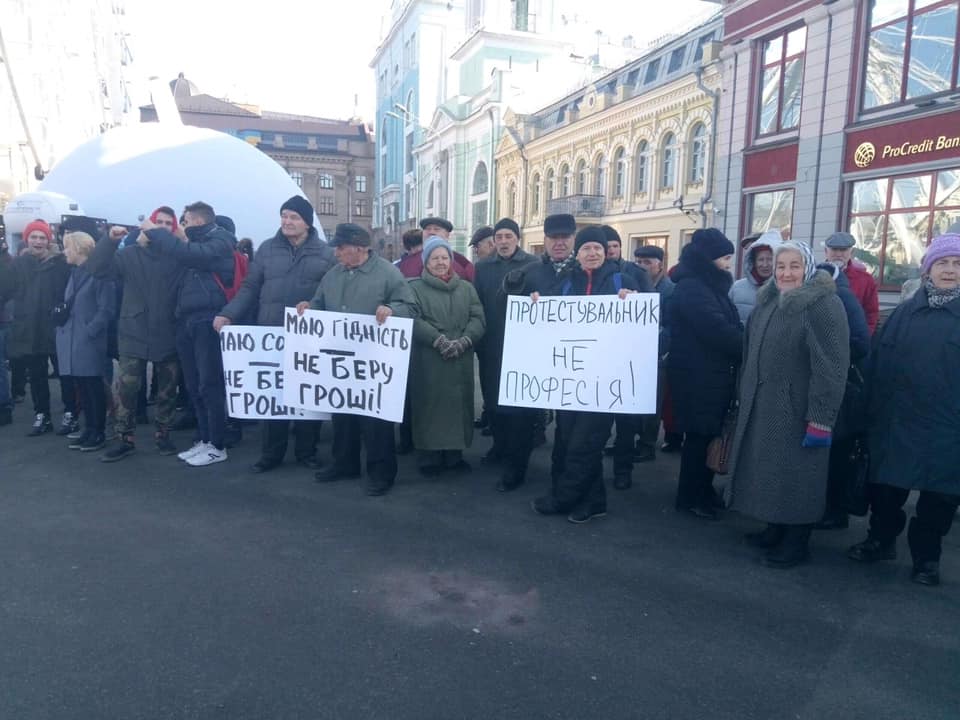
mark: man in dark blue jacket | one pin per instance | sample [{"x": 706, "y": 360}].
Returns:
[{"x": 208, "y": 268}]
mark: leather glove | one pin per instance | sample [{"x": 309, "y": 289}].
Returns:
[{"x": 818, "y": 436}]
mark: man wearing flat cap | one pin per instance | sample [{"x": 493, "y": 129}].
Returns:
[
  {"x": 366, "y": 284},
  {"x": 839, "y": 248},
  {"x": 482, "y": 243},
  {"x": 411, "y": 265},
  {"x": 286, "y": 270}
]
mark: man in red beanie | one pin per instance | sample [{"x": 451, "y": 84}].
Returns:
[{"x": 36, "y": 281}]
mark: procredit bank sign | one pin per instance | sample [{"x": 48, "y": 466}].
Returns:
[{"x": 921, "y": 140}]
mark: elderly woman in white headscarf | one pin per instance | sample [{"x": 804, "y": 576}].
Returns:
[
  {"x": 448, "y": 322},
  {"x": 792, "y": 381}
]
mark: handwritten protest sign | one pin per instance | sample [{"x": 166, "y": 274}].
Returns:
[
  {"x": 591, "y": 354},
  {"x": 253, "y": 373},
  {"x": 346, "y": 363}
]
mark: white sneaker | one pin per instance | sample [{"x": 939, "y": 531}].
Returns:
[
  {"x": 208, "y": 456},
  {"x": 190, "y": 452}
]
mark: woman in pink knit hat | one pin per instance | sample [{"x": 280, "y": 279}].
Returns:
[{"x": 914, "y": 434}]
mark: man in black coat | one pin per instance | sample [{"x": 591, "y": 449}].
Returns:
[
  {"x": 286, "y": 270},
  {"x": 207, "y": 265},
  {"x": 488, "y": 282}
]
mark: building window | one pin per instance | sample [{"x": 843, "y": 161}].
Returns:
[
  {"x": 535, "y": 195},
  {"x": 326, "y": 181},
  {"x": 326, "y": 206},
  {"x": 360, "y": 183},
  {"x": 360, "y": 208},
  {"x": 512, "y": 200},
  {"x": 481, "y": 179},
  {"x": 676, "y": 59},
  {"x": 619, "y": 172},
  {"x": 479, "y": 213},
  {"x": 701, "y": 44},
  {"x": 564, "y": 180},
  {"x": 551, "y": 184},
  {"x": 522, "y": 19},
  {"x": 668, "y": 162},
  {"x": 600, "y": 175},
  {"x": 698, "y": 154},
  {"x": 297, "y": 177},
  {"x": 582, "y": 177},
  {"x": 640, "y": 160},
  {"x": 894, "y": 218},
  {"x": 782, "y": 82},
  {"x": 911, "y": 51},
  {"x": 653, "y": 69},
  {"x": 771, "y": 210}
]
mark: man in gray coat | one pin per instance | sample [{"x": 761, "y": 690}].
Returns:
[
  {"x": 286, "y": 270},
  {"x": 366, "y": 284}
]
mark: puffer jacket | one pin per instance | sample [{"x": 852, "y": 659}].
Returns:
[
  {"x": 36, "y": 287},
  {"x": 280, "y": 276}
]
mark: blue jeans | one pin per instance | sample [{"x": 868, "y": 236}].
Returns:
[
  {"x": 198, "y": 346},
  {"x": 6, "y": 399}
]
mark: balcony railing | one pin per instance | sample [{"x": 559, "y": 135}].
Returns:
[{"x": 578, "y": 205}]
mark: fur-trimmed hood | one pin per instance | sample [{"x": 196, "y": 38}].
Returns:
[{"x": 821, "y": 285}]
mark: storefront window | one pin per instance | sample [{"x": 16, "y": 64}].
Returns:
[
  {"x": 771, "y": 210},
  {"x": 911, "y": 50},
  {"x": 894, "y": 218}
]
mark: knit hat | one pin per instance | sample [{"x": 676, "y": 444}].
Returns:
[
  {"x": 590, "y": 234},
  {"x": 432, "y": 243},
  {"x": 226, "y": 223},
  {"x": 612, "y": 235},
  {"x": 649, "y": 251},
  {"x": 806, "y": 252},
  {"x": 561, "y": 224},
  {"x": 350, "y": 234},
  {"x": 507, "y": 224},
  {"x": 301, "y": 206},
  {"x": 942, "y": 246},
  {"x": 438, "y": 221},
  {"x": 35, "y": 225},
  {"x": 712, "y": 243},
  {"x": 481, "y": 234}
]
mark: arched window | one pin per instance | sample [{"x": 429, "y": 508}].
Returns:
[
  {"x": 619, "y": 173},
  {"x": 600, "y": 175},
  {"x": 640, "y": 167},
  {"x": 535, "y": 195},
  {"x": 582, "y": 177},
  {"x": 698, "y": 154},
  {"x": 564, "y": 180},
  {"x": 668, "y": 161},
  {"x": 481, "y": 180},
  {"x": 512, "y": 200},
  {"x": 551, "y": 184}
]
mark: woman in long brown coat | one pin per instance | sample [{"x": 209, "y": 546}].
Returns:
[{"x": 796, "y": 357}]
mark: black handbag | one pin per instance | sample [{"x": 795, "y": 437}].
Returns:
[{"x": 852, "y": 418}]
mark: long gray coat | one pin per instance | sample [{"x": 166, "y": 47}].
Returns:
[
  {"x": 82, "y": 340},
  {"x": 796, "y": 357}
]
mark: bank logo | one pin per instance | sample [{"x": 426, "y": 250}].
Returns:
[{"x": 864, "y": 154}]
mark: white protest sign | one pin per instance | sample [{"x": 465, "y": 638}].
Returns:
[
  {"x": 253, "y": 374},
  {"x": 590, "y": 354},
  {"x": 346, "y": 363}
]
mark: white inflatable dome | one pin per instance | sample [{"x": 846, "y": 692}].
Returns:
[{"x": 129, "y": 171}]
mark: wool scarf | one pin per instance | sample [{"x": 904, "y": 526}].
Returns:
[{"x": 938, "y": 297}]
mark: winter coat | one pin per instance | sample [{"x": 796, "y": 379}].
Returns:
[
  {"x": 146, "y": 328},
  {"x": 538, "y": 276},
  {"x": 638, "y": 275},
  {"x": 441, "y": 391},
  {"x": 490, "y": 274},
  {"x": 914, "y": 384},
  {"x": 363, "y": 289},
  {"x": 796, "y": 357},
  {"x": 35, "y": 287},
  {"x": 208, "y": 253},
  {"x": 744, "y": 291},
  {"x": 82, "y": 340},
  {"x": 864, "y": 287},
  {"x": 706, "y": 341},
  {"x": 280, "y": 276},
  {"x": 602, "y": 281},
  {"x": 856, "y": 321},
  {"x": 411, "y": 266}
]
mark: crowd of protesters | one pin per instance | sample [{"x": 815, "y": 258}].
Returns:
[{"x": 787, "y": 374}]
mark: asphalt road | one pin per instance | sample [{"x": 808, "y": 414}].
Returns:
[{"x": 147, "y": 589}]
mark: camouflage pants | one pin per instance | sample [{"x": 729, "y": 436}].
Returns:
[{"x": 128, "y": 385}]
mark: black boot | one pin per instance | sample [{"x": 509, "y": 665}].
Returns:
[
  {"x": 793, "y": 550},
  {"x": 769, "y": 537}
]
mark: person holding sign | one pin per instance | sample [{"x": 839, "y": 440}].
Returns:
[
  {"x": 448, "y": 323},
  {"x": 577, "y": 467},
  {"x": 286, "y": 270},
  {"x": 366, "y": 284}
]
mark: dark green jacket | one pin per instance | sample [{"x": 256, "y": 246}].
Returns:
[{"x": 362, "y": 290}]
